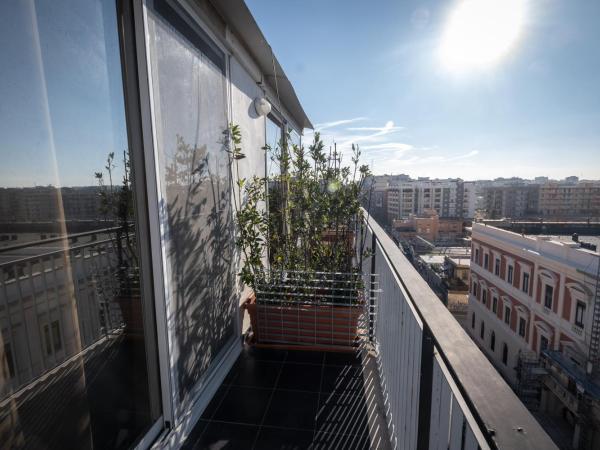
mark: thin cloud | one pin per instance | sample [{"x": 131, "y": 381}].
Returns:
[
  {"x": 388, "y": 146},
  {"x": 389, "y": 126},
  {"x": 337, "y": 123},
  {"x": 416, "y": 160},
  {"x": 466, "y": 155}
]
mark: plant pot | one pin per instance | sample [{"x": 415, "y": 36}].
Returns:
[{"x": 306, "y": 325}]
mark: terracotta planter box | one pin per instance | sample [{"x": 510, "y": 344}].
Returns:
[{"x": 320, "y": 326}]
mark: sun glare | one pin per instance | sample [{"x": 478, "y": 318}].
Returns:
[{"x": 479, "y": 33}]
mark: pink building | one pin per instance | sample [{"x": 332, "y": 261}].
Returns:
[{"x": 531, "y": 298}]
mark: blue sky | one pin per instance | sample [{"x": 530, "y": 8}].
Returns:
[
  {"x": 371, "y": 72},
  {"x": 62, "y": 106}
]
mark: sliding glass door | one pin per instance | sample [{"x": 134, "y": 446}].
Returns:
[
  {"x": 78, "y": 367},
  {"x": 188, "y": 86}
]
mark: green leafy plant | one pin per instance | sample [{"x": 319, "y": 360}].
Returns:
[
  {"x": 116, "y": 207},
  {"x": 303, "y": 219}
]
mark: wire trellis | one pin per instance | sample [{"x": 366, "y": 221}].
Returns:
[{"x": 317, "y": 309}]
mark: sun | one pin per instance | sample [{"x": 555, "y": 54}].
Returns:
[{"x": 479, "y": 33}]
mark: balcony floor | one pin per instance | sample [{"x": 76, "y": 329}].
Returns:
[{"x": 277, "y": 399}]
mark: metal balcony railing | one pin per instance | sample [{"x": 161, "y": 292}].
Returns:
[
  {"x": 58, "y": 299},
  {"x": 440, "y": 391}
]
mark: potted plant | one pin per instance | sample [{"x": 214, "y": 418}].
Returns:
[
  {"x": 116, "y": 209},
  {"x": 297, "y": 233}
]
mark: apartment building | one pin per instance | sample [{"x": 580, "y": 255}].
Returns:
[
  {"x": 430, "y": 227},
  {"x": 548, "y": 199},
  {"x": 449, "y": 198},
  {"x": 41, "y": 203},
  {"x": 532, "y": 296},
  {"x": 570, "y": 200},
  {"x": 514, "y": 201}
]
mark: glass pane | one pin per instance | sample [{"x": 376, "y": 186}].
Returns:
[
  {"x": 273, "y": 143},
  {"x": 190, "y": 109},
  {"x": 294, "y": 138},
  {"x": 73, "y": 360}
]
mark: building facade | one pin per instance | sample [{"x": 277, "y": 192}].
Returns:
[
  {"x": 449, "y": 198},
  {"x": 532, "y": 296},
  {"x": 568, "y": 199},
  {"x": 514, "y": 201},
  {"x": 580, "y": 200},
  {"x": 429, "y": 226}
]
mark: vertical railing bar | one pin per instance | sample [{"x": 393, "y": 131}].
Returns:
[
  {"x": 48, "y": 308},
  {"x": 21, "y": 301},
  {"x": 11, "y": 328}
]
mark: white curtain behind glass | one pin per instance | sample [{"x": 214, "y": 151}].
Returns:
[{"x": 190, "y": 108}]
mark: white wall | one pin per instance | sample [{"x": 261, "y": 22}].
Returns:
[{"x": 252, "y": 126}]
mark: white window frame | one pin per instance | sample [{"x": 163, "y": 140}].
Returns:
[
  {"x": 497, "y": 265},
  {"x": 580, "y": 324},
  {"x": 579, "y": 293},
  {"x": 525, "y": 269},
  {"x": 507, "y": 303},
  {"x": 543, "y": 330},
  {"x": 510, "y": 272},
  {"x": 522, "y": 313},
  {"x": 547, "y": 278}
]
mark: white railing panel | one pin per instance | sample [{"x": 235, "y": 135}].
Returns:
[
  {"x": 453, "y": 414},
  {"x": 399, "y": 339}
]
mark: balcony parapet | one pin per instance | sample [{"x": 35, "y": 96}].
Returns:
[{"x": 442, "y": 391}]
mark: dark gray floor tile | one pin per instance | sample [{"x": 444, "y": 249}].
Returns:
[
  {"x": 303, "y": 377},
  {"x": 226, "y": 436},
  {"x": 254, "y": 373},
  {"x": 194, "y": 437},
  {"x": 342, "y": 414},
  {"x": 292, "y": 409},
  {"x": 282, "y": 439},
  {"x": 215, "y": 402},
  {"x": 343, "y": 359},
  {"x": 329, "y": 441},
  {"x": 304, "y": 356},
  {"x": 342, "y": 379},
  {"x": 243, "y": 405},
  {"x": 263, "y": 354}
]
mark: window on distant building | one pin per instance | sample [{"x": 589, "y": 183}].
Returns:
[
  {"x": 486, "y": 260},
  {"x": 477, "y": 255},
  {"x": 543, "y": 343},
  {"x": 52, "y": 337},
  {"x": 507, "y": 315},
  {"x": 511, "y": 269},
  {"x": 548, "y": 295},
  {"x": 484, "y": 297},
  {"x": 493, "y": 341},
  {"x": 579, "y": 314},
  {"x": 473, "y": 320},
  {"x": 522, "y": 326},
  {"x": 497, "y": 267},
  {"x": 505, "y": 354},
  {"x": 56, "y": 338},
  {"x": 525, "y": 286},
  {"x": 10, "y": 362},
  {"x": 474, "y": 291},
  {"x": 494, "y": 304},
  {"x": 482, "y": 330}
]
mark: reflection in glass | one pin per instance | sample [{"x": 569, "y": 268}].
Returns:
[
  {"x": 190, "y": 109},
  {"x": 273, "y": 145},
  {"x": 73, "y": 360}
]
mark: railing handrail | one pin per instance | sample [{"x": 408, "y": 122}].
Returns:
[
  {"x": 501, "y": 416},
  {"x": 64, "y": 237},
  {"x": 54, "y": 252}
]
